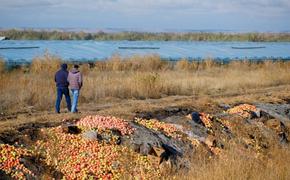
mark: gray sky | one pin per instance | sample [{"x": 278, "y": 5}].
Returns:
[{"x": 240, "y": 15}]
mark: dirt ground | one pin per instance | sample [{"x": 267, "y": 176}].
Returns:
[{"x": 129, "y": 108}]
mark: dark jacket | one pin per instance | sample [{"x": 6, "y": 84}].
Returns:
[
  {"x": 75, "y": 79},
  {"x": 61, "y": 77}
]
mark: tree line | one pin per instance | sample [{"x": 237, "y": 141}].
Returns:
[{"x": 14, "y": 34}]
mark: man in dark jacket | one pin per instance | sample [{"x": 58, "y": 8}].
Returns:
[{"x": 62, "y": 87}]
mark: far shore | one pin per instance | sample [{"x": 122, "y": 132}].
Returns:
[{"x": 31, "y": 34}]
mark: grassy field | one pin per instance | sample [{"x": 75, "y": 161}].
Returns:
[
  {"x": 15, "y": 34},
  {"x": 138, "y": 78}
]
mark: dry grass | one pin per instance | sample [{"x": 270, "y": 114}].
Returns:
[
  {"x": 2, "y": 66},
  {"x": 239, "y": 166},
  {"x": 45, "y": 65},
  {"x": 138, "y": 78}
]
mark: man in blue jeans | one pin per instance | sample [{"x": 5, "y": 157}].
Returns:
[
  {"x": 75, "y": 80},
  {"x": 60, "y": 79}
]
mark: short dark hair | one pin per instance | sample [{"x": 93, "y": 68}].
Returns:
[
  {"x": 64, "y": 66},
  {"x": 76, "y": 66}
]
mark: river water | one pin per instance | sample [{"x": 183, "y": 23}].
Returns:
[{"x": 23, "y": 51}]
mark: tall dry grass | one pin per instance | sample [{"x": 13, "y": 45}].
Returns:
[
  {"x": 138, "y": 77},
  {"x": 46, "y": 64},
  {"x": 2, "y": 65},
  {"x": 236, "y": 165}
]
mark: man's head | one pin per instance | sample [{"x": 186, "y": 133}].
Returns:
[
  {"x": 64, "y": 66},
  {"x": 76, "y": 66}
]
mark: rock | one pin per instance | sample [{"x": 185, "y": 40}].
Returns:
[
  {"x": 278, "y": 111},
  {"x": 142, "y": 135},
  {"x": 168, "y": 151},
  {"x": 91, "y": 135}
]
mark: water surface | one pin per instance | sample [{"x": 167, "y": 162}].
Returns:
[{"x": 173, "y": 50}]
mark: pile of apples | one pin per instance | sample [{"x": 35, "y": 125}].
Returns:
[
  {"x": 79, "y": 158},
  {"x": 10, "y": 161},
  {"x": 168, "y": 129},
  {"x": 105, "y": 122},
  {"x": 244, "y": 110}
]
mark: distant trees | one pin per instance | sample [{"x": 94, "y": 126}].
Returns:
[{"x": 147, "y": 36}]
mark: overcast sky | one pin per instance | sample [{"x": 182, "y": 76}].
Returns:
[{"x": 239, "y": 15}]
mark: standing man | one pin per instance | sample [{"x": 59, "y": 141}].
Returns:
[
  {"x": 60, "y": 79},
  {"x": 75, "y": 83}
]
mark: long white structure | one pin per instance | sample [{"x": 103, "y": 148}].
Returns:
[{"x": 2, "y": 38}]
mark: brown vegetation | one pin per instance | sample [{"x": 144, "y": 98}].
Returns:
[
  {"x": 2, "y": 66},
  {"x": 234, "y": 165},
  {"x": 138, "y": 78},
  {"x": 145, "y": 36}
]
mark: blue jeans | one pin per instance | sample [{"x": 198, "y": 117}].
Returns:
[
  {"x": 75, "y": 95},
  {"x": 60, "y": 92}
]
